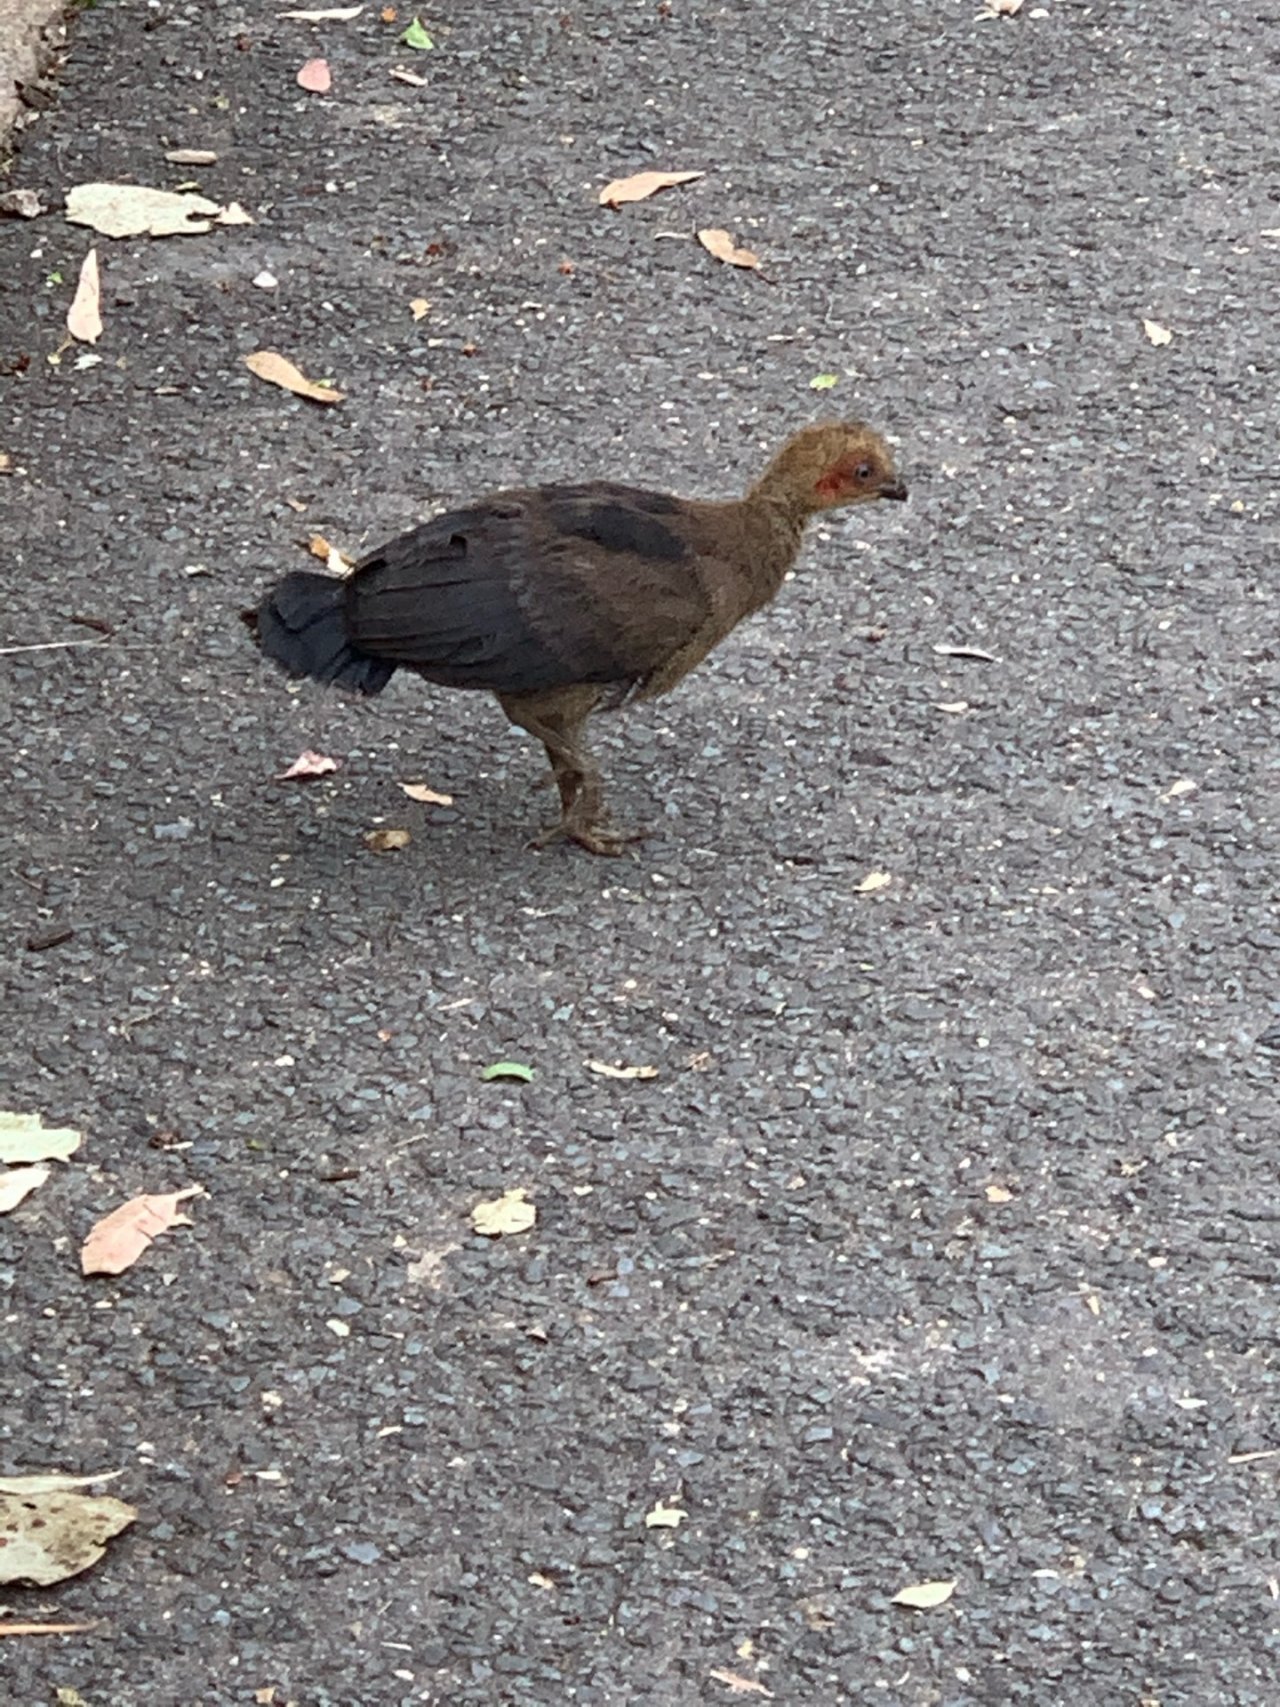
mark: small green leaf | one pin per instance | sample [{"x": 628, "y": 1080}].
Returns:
[
  {"x": 54, "y": 278},
  {"x": 823, "y": 381},
  {"x": 508, "y": 1070},
  {"x": 416, "y": 36}
]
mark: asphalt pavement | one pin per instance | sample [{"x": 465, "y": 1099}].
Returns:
[{"x": 943, "y": 1246}]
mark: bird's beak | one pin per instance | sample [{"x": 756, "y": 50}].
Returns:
[{"x": 895, "y": 490}]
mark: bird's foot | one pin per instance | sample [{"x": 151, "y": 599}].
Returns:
[{"x": 597, "y": 838}]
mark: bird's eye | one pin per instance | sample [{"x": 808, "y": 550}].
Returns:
[{"x": 863, "y": 471}]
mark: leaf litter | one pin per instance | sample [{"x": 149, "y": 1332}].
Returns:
[
  {"x": 607, "y": 1070},
  {"x": 25, "y": 1138},
  {"x": 925, "y": 1596},
  {"x": 315, "y": 77},
  {"x": 117, "y": 1241},
  {"x": 136, "y": 210},
  {"x": 84, "y": 317},
  {"x": 279, "y": 370},
  {"x": 386, "y": 841},
  {"x": 50, "y": 1531},
  {"x": 307, "y": 765},
  {"x": 427, "y": 796},
  {"x": 641, "y": 185},
  {"x": 19, "y": 1183},
  {"x": 721, "y": 245},
  {"x": 510, "y": 1213}
]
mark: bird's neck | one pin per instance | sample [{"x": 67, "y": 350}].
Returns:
[{"x": 774, "y": 528}]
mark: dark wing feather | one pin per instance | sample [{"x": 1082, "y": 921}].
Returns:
[{"x": 532, "y": 591}]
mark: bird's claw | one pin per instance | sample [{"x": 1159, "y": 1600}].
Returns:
[{"x": 595, "y": 838}]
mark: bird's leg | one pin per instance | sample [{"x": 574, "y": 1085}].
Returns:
[{"x": 557, "y": 720}]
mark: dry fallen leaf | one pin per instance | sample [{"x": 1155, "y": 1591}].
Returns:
[
  {"x": 642, "y": 185},
  {"x": 1176, "y": 790},
  {"x": 191, "y": 157},
  {"x": 955, "y": 707},
  {"x": 607, "y": 1071},
  {"x": 945, "y": 651},
  {"x": 326, "y": 15},
  {"x": 428, "y": 796},
  {"x": 232, "y": 214},
  {"x": 510, "y": 1213},
  {"x": 1158, "y": 334},
  {"x": 873, "y": 881},
  {"x": 335, "y": 560},
  {"x": 925, "y": 1596},
  {"x": 664, "y": 1517},
  {"x": 18, "y": 1183},
  {"x": 25, "y": 1138},
  {"x": 386, "y": 841},
  {"x": 1001, "y": 8},
  {"x": 721, "y": 245},
  {"x": 999, "y": 1194},
  {"x": 26, "y": 204},
  {"x": 279, "y": 370},
  {"x": 307, "y": 765},
  {"x": 117, "y": 1241},
  {"x": 315, "y": 77},
  {"x": 388, "y": 14},
  {"x": 738, "y": 1685},
  {"x": 418, "y": 307},
  {"x": 49, "y": 1531},
  {"x": 9, "y": 1628},
  {"x": 134, "y": 210},
  {"x": 84, "y": 317},
  {"x": 403, "y": 75}
]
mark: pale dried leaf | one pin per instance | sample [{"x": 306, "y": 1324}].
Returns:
[
  {"x": 191, "y": 157},
  {"x": 51, "y": 1482},
  {"x": 325, "y": 15},
  {"x": 26, "y": 204},
  {"x": 641, "y": 185},
  {"x": 402, "y": 75},
  {"x": 873, "y": 881},
  {"x": 10, "y": 1628},
  {"x": 84, "y": 317},
  {"x": 1159, "y": 335},
  {"x": 954, "y": 707},
  {"x": 925, "y": 1596},
  {"x": 338, "y": 1328},
  {"x": 265, "y": 280},
  {"x": 279, "y": 370},
  {"x": 309, "y": 764},
  {"x": 721, "y": 245},
  {"x": 1177, "y": 790},
  {"x": 607, "y": 1070},
  {"x": 428, "y": 796},
  {"x": 25, "y": 1138},
  {"x": 48, "y": 1536},
  {"x": 134, "y": 210},
  {"x": 418, "y": 307},
  {"x": 664, "y": 1517},
  {"x": 984, "y": 657},
  {"x": 999, "y": 1194},
  {"x": 1001, "y": 8},
  {"x": 739, "y": 1685},
  {"x": 510, "y": 1213},
  {"x": 117, "y": 1241},
  {"x": 315, "y": 77},
  {"x": 18, "y": 1183},
  {"x": 386, "y": 841},
  {"x": 232, "y": 214}
]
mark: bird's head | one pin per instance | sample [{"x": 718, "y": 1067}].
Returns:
[{"x": 832, "y": 464}]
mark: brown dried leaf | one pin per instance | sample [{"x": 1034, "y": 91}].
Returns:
[
  {"x": 308, "y": 765},
  {"x": 279, "y": 370},
  {"x": 388, "y": 14},
  {"x": 607, "y": 1071},
  {"x": 18, "y": 1183},
  {"x": 428, "y": 796},
  {"x": 84, "y": 317},
  {"x": 117, "y": 1241},
  {"x": 925, "y": 1596},
  {"x": 26, "y": 204},
  {"x": 721, "y": 245},
  {"x": 315, "y": 77},
  {"x": 738, "y": 1685},
  {"x": 641, "y": 185},
  {"x": 386, "y": 841}
]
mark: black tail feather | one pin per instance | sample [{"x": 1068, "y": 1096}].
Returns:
[{"x": 302, "y": 626}]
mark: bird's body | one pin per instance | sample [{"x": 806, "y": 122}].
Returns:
[{"x": 559, "y": 599}]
